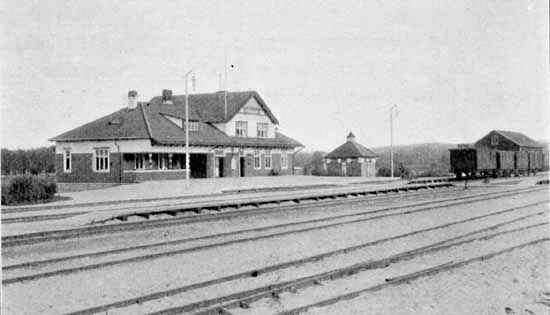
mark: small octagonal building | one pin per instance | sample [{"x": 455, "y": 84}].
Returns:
[{"x": 351, "y": 159}]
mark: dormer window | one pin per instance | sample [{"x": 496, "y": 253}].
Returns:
[
  {"x": 262, "y": 130},
  {"x": 115, "y": 121},
  {"x": 241, "y": 129},
  {"x": 193, "y": 126}
]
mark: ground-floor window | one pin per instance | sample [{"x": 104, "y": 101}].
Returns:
[
  {"x": 101, "y": 160},
  {"x": 268, "y": 160},
  {"x": 284, "y": 161},
  {"x": 344, "y": 168},
  {"x": 162, "y": 161},
  {"x": 67, "y": 160},
  {"x": 140, "y": 161},
  {"x": 262, "y": 158},
  {"x": 257, "y": 159}
]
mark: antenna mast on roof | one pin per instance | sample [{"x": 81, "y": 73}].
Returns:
[{"x": 225, "y": 83}]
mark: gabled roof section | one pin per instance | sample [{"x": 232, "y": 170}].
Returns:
[
  {"x": 519, "y": 138},
  {"x": 122, "y": 124},
  {"x": 210, "y": 107},
  {"x": 351, "y": 149},
  {"x": 155, "y": 121}
]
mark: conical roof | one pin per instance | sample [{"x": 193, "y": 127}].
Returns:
[{"x": 351, "y": 149}]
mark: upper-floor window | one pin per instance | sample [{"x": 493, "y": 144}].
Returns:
[
  {"x": 268, "y": 160},
  {"x": 256, "y": 159},
  {"x": 494, "y": 140},
  {"x": 241, "y": 129},
  {"x": 262, "y": 130},
  {"x": 67, "y": 160},
  {"x": 101, "y": 160},
  {"x": 284, "y": 161}
]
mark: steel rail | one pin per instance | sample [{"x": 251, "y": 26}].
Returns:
[
  {"x": 295, "y": 263},
  {"x": 39, "y": 237},
  {"x": 237, "y": 299},
  {"x": 407, "y": 278},
  {"x": 36, "y": 237},
  {"x": 209, "y": 246},
  {"x": 42, "y": 217}
]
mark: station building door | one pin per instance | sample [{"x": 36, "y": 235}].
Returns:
[{"x": 197, "y": 165}]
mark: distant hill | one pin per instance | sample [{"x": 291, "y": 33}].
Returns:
[{"x": 420, "y": 158}]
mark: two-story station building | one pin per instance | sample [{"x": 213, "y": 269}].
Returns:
[{"x": 230, "y": 135}]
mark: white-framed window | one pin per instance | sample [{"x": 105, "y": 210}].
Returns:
[
  {"x": 256, "y": 159},
  {"x": 267, "y": 164},
  {"x": 241, "y": 128},
  {"x": 261, "y": 130},
  {"x": 162, "y": 161},
  {"x": 67, "y": 160},
  {"x": 140, "y": 161},
  {"x": 193, "y": 126},
  {"x": 284, "y": 161},
  {"x": 262, "y": 158},
  {"x": 344, "y": 168},
  {"x": 101, "y": 160}
]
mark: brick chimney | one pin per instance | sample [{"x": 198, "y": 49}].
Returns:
[
  {"x": 166, "y": 96},
  {"x": 132, "y": 99}
]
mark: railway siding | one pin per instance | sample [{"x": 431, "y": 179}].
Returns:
[{"x": 181, "y": 265}]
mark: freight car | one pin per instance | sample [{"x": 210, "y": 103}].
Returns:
[
  {"x": 499, "y": 153},
  {"x": 476, "y": 162}
]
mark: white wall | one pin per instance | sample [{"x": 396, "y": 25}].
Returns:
[{"x": 252, "y": 120}]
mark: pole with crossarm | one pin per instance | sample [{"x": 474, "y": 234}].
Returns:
[
  {"x": 394, "y": 107},
  {"x": 186, "y": 126}
]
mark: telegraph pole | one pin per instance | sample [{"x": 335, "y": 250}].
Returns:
[
  {"x": 186, "y": 126},
  {"x": 394, "y": 107}
]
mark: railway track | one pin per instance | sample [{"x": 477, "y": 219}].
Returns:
[
  {"x": 174, "y": 209},
  {"x": 120, "y": 256},
  {"x": 406, "y": 278},
  {"x": 54, "y": 235},
  {"x": 244, "y": 298}
]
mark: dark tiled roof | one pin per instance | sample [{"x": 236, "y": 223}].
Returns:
[
  {"x": 210, "y": 107},
  {"x": 122, "y": 124},
  {"x": 350, "y": 149},
  {"x": 149, "y": 121},
  {"x": 519, "y": 138}
]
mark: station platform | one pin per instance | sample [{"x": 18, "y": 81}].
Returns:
[{"x": 199, "y": 187}]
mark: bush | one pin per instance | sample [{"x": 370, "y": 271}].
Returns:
[
  {"x": 27, "y": 189},
  {"x": 386, "y": 172}
]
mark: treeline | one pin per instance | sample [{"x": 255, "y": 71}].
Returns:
[{"x": 30, "y": 161}]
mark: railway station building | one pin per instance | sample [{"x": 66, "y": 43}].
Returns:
[
  {"x": 351, "y": 159},
  {"x": 231, "y": 134}
]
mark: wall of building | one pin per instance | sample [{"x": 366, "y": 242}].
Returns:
[
  {"x": 82, "y": 165},
  {"x": 82, "y": 169},
  {"x": 354, "y": 167},
  {"x": 249, "y": 170},
  {"x": 252, "y": 119}
]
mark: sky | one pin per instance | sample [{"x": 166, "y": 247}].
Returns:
[{"x": 455, "y": 69}]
